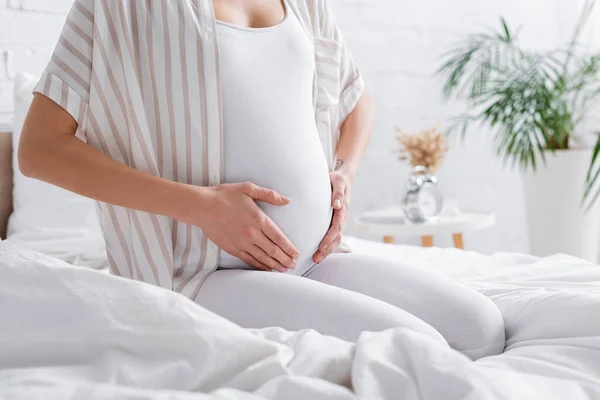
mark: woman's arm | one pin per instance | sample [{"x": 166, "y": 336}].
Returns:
[
  {"x": 49, "y": 151},
  {"x": 355, "y": 134}
]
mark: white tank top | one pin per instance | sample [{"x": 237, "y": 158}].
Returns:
[{"x": 270, "y": 133}]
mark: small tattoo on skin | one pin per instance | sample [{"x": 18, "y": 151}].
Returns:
[{"x": 338, "y": 164}]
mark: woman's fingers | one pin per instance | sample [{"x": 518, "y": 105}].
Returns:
[
  {"x": 264, "y": 258},
  {"x": 337, "y": 225},
  {"x": 272, "y": 231},
  {"x": 253, "y": 262},
  {"x": 340, "y": 204},
  {"x": 276, "y": 253},
  {"x": 322, "y": 255},
  {"x": 267, "y": 195},
  {"x": 328, "y": 244},
  {"x": 338, "y": 186},
  {"x": 337, "y": 201}
]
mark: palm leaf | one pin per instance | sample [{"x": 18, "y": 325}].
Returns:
[
  {"x": 592, "y": 179},
  {"x": 533, "y": 101}
]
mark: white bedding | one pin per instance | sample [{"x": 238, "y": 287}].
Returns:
[{"x": 74, "y": 333}]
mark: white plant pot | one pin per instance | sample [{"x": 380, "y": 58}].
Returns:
[{"x": 556, "y": 221}]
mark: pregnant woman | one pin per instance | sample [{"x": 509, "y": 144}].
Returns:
[{"x": 221, "y": 139}]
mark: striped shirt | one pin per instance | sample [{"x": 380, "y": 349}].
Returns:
[{"x": 142, "y": 80}]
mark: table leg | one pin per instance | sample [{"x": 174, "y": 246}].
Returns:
[
  {"x": 458, "y": 241},
  {"x": 388, "y": 239},
  {"x": 427, "y": 241}
]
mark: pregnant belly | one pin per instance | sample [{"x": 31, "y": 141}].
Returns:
[
  {"x": 304, "y": 221},
  {"x": 296, "y": 169}
]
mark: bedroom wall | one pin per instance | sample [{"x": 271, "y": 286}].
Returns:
[
  {"x": 28, "y": 32},
  {"x": 397, "y": 44}
]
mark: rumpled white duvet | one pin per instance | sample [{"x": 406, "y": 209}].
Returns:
[{"x": 73, "y": 333}]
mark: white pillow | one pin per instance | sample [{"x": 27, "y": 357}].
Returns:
[{"x": 47, "y": 218}]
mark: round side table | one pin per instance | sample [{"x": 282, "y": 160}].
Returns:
[{"x": 390, "y": 224}]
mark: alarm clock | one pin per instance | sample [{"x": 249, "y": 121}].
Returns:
[{"x": 423, "y": 200}]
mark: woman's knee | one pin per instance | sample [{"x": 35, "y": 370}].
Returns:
[
  {"x": 479, "y": 328},
  {"x": 469, "y": 321},
  {"x": 475, "y": 329}
]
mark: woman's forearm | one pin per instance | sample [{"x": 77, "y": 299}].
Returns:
[
  {"x": 355, "y": 135},
  {"x": 63, "y": 160}
]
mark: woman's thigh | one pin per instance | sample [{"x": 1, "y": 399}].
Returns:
[
  {"x": 469, "y": 321},
  {"x": 255, "y": 299}
]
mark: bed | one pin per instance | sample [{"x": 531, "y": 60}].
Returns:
[{"x": 74, "y": 332}]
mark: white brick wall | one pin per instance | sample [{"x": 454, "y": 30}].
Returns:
[
  {"x": 397, "y": 44},
  {"x": 28, "y": 32}
]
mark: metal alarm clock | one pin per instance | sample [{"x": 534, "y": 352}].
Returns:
[{"x": 423, "y": 200}]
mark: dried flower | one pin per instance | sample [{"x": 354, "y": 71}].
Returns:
[{"x": 426, "y": 148}]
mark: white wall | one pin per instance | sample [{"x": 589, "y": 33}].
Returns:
[
  {"x": 28, "y": 32},
  {"x": 397, "y": 43}
]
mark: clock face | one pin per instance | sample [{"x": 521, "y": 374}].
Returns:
[{"x": 430, "y": 201}]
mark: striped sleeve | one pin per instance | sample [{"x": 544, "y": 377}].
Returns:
[
  {"x": 66, "y": 80},
  {"x": 351, "y": 82}
]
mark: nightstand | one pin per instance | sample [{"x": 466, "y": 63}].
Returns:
[{"x": 390, "y": 224}]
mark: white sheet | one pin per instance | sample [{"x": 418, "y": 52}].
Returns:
[{"x": 71, "y": 333}]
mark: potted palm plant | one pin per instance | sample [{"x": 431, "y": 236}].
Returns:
[{"x": 538, "y": 106}]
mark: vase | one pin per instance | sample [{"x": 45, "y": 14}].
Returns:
[{"x": 557, "y": 222}]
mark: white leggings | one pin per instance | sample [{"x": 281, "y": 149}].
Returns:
[{"x": 351, "y": 293}]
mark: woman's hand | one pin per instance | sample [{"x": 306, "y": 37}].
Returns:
[
  {"x": 355, "y": 134},
  {"x": 231, "y": 219},
  {"x": 341, "y": 182}
]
